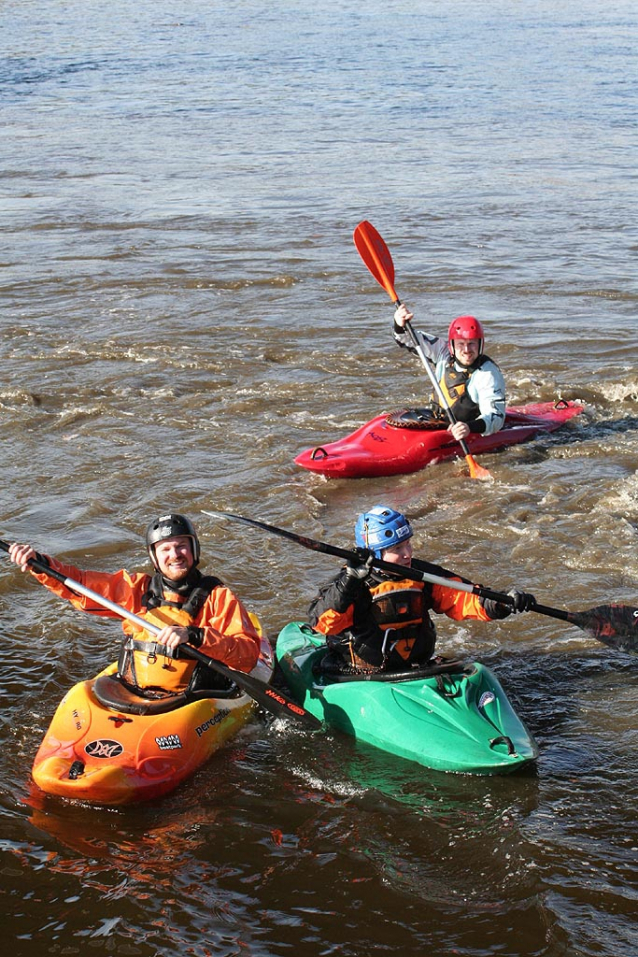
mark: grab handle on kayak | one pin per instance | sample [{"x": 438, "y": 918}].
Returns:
[
  {"x": 444, "y": 690},
  {"x": 503, "y": 739},
  {"x": 315, "y": 452}
]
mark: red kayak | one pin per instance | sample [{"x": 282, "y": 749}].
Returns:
[{"x": 386, "y": 446}]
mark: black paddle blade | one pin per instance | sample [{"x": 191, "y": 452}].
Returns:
[{"x": 614, "y": 625}]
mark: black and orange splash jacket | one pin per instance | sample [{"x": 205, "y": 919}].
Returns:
[
  {"x": 222, "y": 628},
  {"x": 386, "y": 621}
]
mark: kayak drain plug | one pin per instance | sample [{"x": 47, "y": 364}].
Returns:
[{"x": 76, "y": 769}]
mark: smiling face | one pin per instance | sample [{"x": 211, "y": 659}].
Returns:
[{"x": 174, "y": 557}]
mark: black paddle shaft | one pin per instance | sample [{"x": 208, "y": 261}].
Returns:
[
  {"x": 432, "y": 573},
  {"x": 614, "y": 625}
]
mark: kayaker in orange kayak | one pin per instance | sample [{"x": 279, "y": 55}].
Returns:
[
  {"x": 471, "y": 382},
  {"x": 375, "y": 621},
  {"x": 186, "y": 605}
]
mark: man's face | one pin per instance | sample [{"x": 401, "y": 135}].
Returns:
[
  {"x": 467, "y": 350},
  {"x": 174, "y": 557}
]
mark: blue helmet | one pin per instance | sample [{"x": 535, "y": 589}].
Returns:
[{"x": 381, "y": 528}]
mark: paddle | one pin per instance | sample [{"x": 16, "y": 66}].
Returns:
[
  {"x": 377, "y": 258},
  {"x": 269, "y": 698},
  {"x": 614, "y": 625}
]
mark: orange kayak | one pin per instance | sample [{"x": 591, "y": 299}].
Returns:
[
  {"x": 109, "y": 745},
  {"x": 109, "y": 754}
]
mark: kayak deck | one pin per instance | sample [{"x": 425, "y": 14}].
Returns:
[
  {"x": 382, "y": 448},
  {"x": 453, "y": 717},
  {"x": 108, "y": 748}
]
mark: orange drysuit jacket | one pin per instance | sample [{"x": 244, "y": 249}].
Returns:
[{"x": 229, "y": 634}]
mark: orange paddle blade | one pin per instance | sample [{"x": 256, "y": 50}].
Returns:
[
  {"x": 376, "y": 256},
  {"x": 477, "y": 471}
]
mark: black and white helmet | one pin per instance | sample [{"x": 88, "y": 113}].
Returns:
[{"x": 168, "y": 526}]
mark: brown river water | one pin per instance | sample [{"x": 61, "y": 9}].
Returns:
[{"x": 183, "y": 311}]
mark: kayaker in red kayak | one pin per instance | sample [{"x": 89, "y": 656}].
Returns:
[
  {"x": 374, "y": 621},
  {"x": 471, "y": 382},
  {"x": 188, "y": 606}
]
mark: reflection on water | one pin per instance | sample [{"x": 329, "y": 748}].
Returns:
[
  {"x": 185, "y": 312},
  {"x": 298, "y": 826}
]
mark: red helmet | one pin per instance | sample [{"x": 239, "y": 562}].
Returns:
[{"x": 465, "y": 327}]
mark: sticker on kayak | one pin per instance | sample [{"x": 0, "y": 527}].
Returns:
[
  {"x": 207, "y": 725},
  {"x": 168, "y": 742},
  {"x": 103, "y": 748},
  {"x": 486, "y": 698}
]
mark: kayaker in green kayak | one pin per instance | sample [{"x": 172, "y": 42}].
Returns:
[
  {"x": 471, "y": 382},
  {"x": 375, "y": 621}
]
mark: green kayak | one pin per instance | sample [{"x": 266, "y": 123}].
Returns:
[{"x": 453, "y": 716}]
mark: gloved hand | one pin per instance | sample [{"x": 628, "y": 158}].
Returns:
[
  {"x": 523, "y": 601},
  {"x": 361, "y": 569}
]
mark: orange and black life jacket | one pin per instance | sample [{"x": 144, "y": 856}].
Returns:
[
  {"x": 400, "y": 612},
  {"x": 143, "y": 663}
]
